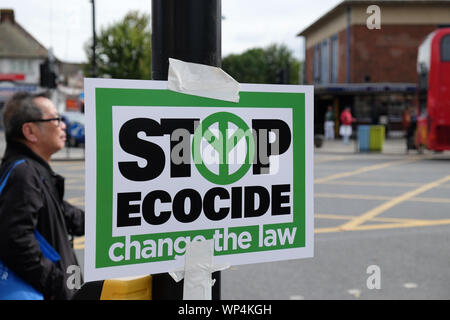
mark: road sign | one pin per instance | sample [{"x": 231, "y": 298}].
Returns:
[
  {"x": 165, "y": 168},
  {"x": 76, "y": 130}
]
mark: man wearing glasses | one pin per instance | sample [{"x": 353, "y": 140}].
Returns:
[{"x": 32, "y": 197}]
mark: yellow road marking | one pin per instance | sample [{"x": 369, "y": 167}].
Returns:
[
  {"x": 330, "y": 159},
  {"x": 436, "y": 200},
  {"x": 394, "y": 225},
  {"x": 78, "y": 243},
  {"x": 389, "y": 223},
  {"x": 425, "y": 223},
  {"x": 350, "y": 196},
  {"x": 363, "y": 170},
  {"x": 374, "y": 183},
  {"x": 356, "y": 222},
  {"x": 327, "y": 230},
  {"x": 371, "y": 197},
  {"x": 76, "y": 201},
  {"x": 75, "y": 187},
  {"x": 379, "y": 219},
  {"x": 332, "y": 216}
]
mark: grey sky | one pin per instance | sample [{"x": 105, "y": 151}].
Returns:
[{"x": 67, "y": 25}]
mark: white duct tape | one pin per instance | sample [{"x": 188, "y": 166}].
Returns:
[
  {"x": 198, "y": 269},
  {"x": 202, "y": 80}
]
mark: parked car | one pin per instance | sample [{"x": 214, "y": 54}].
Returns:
[{"x": 74, "y": 128}]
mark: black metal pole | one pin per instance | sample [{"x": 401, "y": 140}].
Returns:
[
  {"x": 94, "y": 42},
  {"x": 186, "y": 30},
  {"x": 189, "y": 30}
]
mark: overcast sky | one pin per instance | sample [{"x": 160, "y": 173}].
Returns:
[{"x": 67, "y": 25}]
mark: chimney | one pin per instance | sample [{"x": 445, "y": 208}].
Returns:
[{"x": 7, "y": 15}]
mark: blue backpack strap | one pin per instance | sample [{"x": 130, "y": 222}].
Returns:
[
  {"x": 48, "y": 251},
  {"x": 7, "y": 173},
  {"x": 12, "y": 287}
]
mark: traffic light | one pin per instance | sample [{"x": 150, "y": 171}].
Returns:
[{"x": 47, "y": 76}]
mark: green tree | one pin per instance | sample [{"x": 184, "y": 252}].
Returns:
[
  {"x": 123, "y": 49},
  {"x": 263, "y": 65}
]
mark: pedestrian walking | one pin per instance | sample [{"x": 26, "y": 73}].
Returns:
[
  {"x": 346, "y": 125},
  {"x": 31, "y": 201},
  {"x": 329, "y": 124},
  {"x": 406, "y": 120},
  {"x": 411, "y": 134}
]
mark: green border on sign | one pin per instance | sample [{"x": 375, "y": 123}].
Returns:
[{"x": 106, "y": 98}]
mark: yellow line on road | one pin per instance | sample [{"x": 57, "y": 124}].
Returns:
[
  {"x": 378, "y": 219},
  {"x": 424, "y": 223},
  {"x": 394, "y": 225},
  {"x": 78, "y": 243},
  {"x": 364, "y": 170},
  {"x": 375, "y": 183},
  {"x": 76, "y": 201},
  {"x": 372, "y": 197},
  {"x": 75, "y": 187},
  {"x": 435, "y": 200},
  {"x": 332, "y": 216},
  {"x": 327, "y": 230},
  {"x": 330, "y": 159},
  {"x": 356, "y": 222},
  {"x": 350, "y": 196}
]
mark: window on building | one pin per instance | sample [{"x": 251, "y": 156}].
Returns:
[
  {"x": 30, "y": 69},
  {"x": 334, "y": 58},
  {"x": 445, "y": 49},
  {"x": 17, "y": 66},
  {"x": 316, "y": 65},
  {"x": 13, "y": 66},
  {"x": 325, "y": 62}
]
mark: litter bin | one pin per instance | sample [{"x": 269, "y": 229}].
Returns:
[
  {"x": 363, "y": 135},
  {"x": 377, "y": 134}
]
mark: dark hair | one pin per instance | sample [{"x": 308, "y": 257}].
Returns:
[{"x": 20, "y": 109}]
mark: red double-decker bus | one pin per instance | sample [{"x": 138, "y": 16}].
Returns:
[{"x": 433, "y": 110}]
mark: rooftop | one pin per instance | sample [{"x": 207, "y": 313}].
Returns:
[
  {"x": 348, "y": 3},
  {"x": 15, "y": 41}
]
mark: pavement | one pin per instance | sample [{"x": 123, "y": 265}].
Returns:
[{"x": 393, "y": 146}]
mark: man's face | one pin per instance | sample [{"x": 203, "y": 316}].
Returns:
[{"x": 52, "y": 137}]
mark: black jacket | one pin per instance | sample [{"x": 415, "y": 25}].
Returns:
[{"x": 33, "y": 199}]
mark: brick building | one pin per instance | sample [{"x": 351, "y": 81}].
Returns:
[{"x": 372, "y": 70}]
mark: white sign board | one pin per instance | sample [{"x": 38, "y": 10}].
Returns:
[{"x": 165, "y": 168}]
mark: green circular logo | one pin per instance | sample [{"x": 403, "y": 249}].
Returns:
[{"x": 223, "y": 145}]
